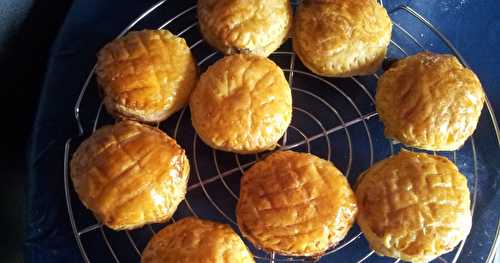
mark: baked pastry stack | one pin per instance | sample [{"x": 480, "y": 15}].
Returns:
[
  {"x": 256, "y": 27},
  {"x": 429, "y": 101},
  {"x": 195, "y": 240},
  {"x": 130, "y": 175},
  {"x": 413, "y": 206},
  {"x": 341, "y": 38},
  {"x": 242, "y": 104},
  {"x": 146, "y": 75},
  {"x": 295, "y": 204}
]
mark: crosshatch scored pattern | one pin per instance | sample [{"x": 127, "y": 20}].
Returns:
[{"x": 334, "y": 119}]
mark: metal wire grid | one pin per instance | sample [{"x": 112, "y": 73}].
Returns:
[{"x": 307, "y": 140}]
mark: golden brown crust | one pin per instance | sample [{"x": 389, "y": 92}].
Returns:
[
  {"x": 429, "y": 101},
  {"x": 413, "y": 206},
  {"x": 341, "y": 38},
  {"x": 295, "y": 204},
  {"x": 146, "y": 75},
  {"x": 129, "y": 174},
  {"x": 242, "y": 104},
  {"x": 193, "y": 240},
  {"x": 245, "y": 26}
]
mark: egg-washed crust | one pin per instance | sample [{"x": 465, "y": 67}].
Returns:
[
  {"x": 413, "y": 206},
  {"x": 295, "y": 204},
  {"x": 256, "y": 27},
  {"x": 129, "y": 175},
  {"x": 341, "y": 38},
  {"x": 429, "y": 101},
  {"x": 192, "y": 240},
  {"x": 146, "y": 75},
  {"x": 242, "y": 104}
]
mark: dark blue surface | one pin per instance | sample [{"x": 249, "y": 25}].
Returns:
[{"x": 473, "y": 27}]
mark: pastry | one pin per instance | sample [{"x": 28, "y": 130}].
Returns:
[
  {"x": 146, "y": 75},
  {"x": 295, "y": 204},
  {"x": 429, "y": 101},
  {"x": 193, "y": 240},
  {"x": 341, "y": 38},
  {"x": 245, "y": 26},
  {"x": 242, "y": 104},
  {"x": 129, "y": 175},
  {"x": 413, "y": 206}
]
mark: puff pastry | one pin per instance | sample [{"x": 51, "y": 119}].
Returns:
[
  {"x": 413, "y": 206},
  {"x": 146, "y": 75},
  {"x": 341, "y": 38},
  {"x": 242, "y": 104},
  {"x": 193, "y": 240},
  {"x": 129, "y": 174},
  {"x": 295, "y": 204},
  {"x": 429, "y": 101},
  {"x": 245, "y": 26}
]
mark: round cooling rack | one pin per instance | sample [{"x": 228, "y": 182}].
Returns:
[{"x": 332, "y": 118}]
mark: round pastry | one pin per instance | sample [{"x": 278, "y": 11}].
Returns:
[
  {"x": 245, "y": 26},
  {"x": 242, "y": 104},
  {"x": 413, "y": 206},
  {"x": 146, "y": 75},
  {"x": 295, "y": 204},
  {"x": 429, "y": 101},
  {"x": 341, "y": 38},
  {"x": 193, "y": 240},
  {"x": 129, "y": 175}
]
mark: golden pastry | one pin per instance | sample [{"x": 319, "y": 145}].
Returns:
[
  {"x": 192, "y": 240},
  {"x": 146, "y": 75},
  {"x": 429, "y": 101},
  {"x": 130, "y": 174},
  {"x": 295, "y": 204},
  {"x": 242, "y": 104},
  {"x": 341, "y": 38},
  {"x": 413, "y": 206},
  {"x": 245, "y": 26}
]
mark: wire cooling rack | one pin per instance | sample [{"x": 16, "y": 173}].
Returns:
[{"x": 332, "y": 118}]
